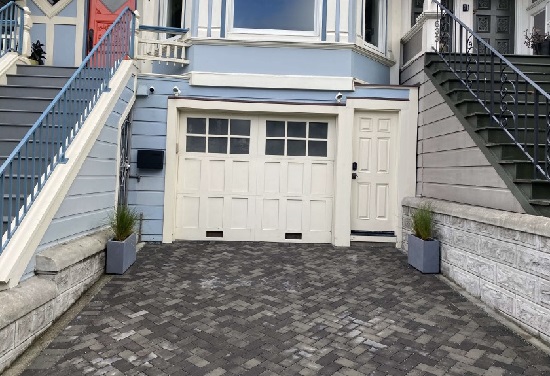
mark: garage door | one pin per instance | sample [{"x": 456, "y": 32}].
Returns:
[{"x": 254, "y": 178}]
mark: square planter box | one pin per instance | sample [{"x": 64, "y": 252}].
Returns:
[
  {"x": 121, "y": 255},
  {"x": 424, "y": 254}
]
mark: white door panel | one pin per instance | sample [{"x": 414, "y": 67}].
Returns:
[{"x": 374, "y": 198}]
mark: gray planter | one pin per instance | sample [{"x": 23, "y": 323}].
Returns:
[
  {"x": 121, "y": 255},
  {"x": 424, "y": 254}
]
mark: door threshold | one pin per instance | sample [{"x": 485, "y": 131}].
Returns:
[{"x": 373, "y": 239}]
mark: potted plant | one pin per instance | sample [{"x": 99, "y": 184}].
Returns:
[
  {"x": 538, "y": 42},
  {"x": 37, "y": 53},
  {"x": 423, "y": 249},
  {"x": 121, "y": 250}
]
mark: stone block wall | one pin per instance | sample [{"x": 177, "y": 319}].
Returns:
[
  {"x": 502, "y": 258},
  {"x": 64, "y": 273}
]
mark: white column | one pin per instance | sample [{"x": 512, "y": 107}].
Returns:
[
  {"x": 26, "y": 47},
  {"x": 344, "y": 20},
  {"x": 202, "y": 19},
  {"x": 331, "y": 20},
  {"x": 216, "y": 23}
]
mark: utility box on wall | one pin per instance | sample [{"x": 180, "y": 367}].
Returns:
[{"x": 150, "y": 159}]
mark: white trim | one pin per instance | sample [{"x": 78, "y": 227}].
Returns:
[
  {"x": 26, "y": 239},
  {"x": 268, "y": 81},
  {"x": 374, "y": 239},
  {"x": 52, "y": 10},
  {"x": 8, "y": 65}
]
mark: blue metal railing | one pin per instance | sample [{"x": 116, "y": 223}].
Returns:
[
  {"x": 163, "y": 29},
  {"x": 24, "y": 173},
  {"x": 12, "y": 19}
]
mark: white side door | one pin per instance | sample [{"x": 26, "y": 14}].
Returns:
[{"x": 374, "y": 195}]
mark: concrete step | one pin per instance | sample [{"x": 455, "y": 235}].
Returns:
[
  {"x": 19, "y": 117},
  {"x": 15, "y": 131},
  {"x": 484, "y": 93},
  {"x": 469, "y": 106},
  {"x": 24, "y": 104},
  {"x": 35, "y": 81},
  {"x": 45, "y": 70},
  {"x": 21, "y": 91},
  {"x": 482, "y": 120}
]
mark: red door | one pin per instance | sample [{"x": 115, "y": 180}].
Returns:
[{"x": 102, "y": 14}]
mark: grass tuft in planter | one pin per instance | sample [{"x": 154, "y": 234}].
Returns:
[
  {"x": 423, "y": 253},
  {"x": 121, "y": 250}
]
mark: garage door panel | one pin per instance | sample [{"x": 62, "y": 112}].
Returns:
[
  {"x": 294, "y": 216},
  {"x": 240, "y": 177},
  {"x": 216, "y": 175},
  {"x": 214, "y": 211},
  {"x": 320, "y": 215},
  {"x": 192, "y": 175},
  {"x": 321, "y": 182},
  {"x": 187, "y": 212},
  {"x": 270, "y": 219},
  {"x": 271, "y": 177},
  {"x": 295, "y": 178}
]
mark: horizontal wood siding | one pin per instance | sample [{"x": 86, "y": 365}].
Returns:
[
  {"x": 449, "y": 164},
  {"x": 91, "y": 198},
  {"x": 149, "y": 119}
]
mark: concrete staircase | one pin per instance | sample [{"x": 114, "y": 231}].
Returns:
[
  {"x": 513, "y": 166},
  {"x": 22, "y": 100}
]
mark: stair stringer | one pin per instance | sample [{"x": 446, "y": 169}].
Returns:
[
  {"x": 522, "y": 199},
  {"x": 8, "y": 64},
  {"x": 21, "y": 248}
]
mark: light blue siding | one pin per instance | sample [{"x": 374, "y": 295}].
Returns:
[
  {"x": 64, "y": 45},
  {"x": 38, "y": 32},
  {"x": 70, "y": 10},
  {"x": 91, "y": 197},
  {"x": 368, "y": 70},
  {"x": 35, "y": 10}
]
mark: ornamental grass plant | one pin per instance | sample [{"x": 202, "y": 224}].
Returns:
[
  {"x": 422, "y": 221},
  {"x": 123, "y": 222}
]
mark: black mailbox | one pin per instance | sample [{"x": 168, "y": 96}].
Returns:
[{"x": 150, "y": 159}]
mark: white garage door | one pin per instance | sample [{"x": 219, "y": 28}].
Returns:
[{"x": 251, "y": 178}]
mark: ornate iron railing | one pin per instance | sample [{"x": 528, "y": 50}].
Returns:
[
  {"x": 24, "y": 173},
  {"x": 12, "y": 19},
  {"x": 513, "y": 101}
]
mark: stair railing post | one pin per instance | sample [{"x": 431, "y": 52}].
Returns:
[
  {"x": 536, "y": 135},
  {"x": 135, "y": 35},
  {"x": 27, "y": 22}
]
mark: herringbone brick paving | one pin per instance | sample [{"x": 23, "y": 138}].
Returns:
[{"x": 201, "y": 308}]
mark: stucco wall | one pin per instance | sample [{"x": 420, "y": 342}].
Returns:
[
  {"x": 499, "y": 257},
  {"x": 449, "y": 164}
]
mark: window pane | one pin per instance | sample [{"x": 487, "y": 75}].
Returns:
[
  {"x": 296, "y": 148},
  {"x": 298, "y": 15},
  {"x": 318, "y": 130},
  {"x": 196, "y": 125},
  {"x": 239, "y": 145},
  {"x": 196, "y": 144},
  {"x": 275, "y": 147},
  {"x": 317, "y": 148},
  {"x": 240, "y": 127},
  {"x": 296, "y": 129},
  {"x": 275, "y": 129},
  {"x": 218, "y": 126},
  {"x": 372, "y": 24},
  {"x": 217, "y": 145}
]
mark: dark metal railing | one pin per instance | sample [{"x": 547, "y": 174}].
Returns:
[
  {"x": 28, "y": 167},
  {"x": 12, "y": 18},
  {"x": 513, "y": 101}
]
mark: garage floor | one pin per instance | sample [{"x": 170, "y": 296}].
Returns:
[{"x": 273, "y": 309}]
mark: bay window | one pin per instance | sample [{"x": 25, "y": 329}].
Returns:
[
  {"x": 374, "y": 23},
  {"x": 293, "y": 17}
]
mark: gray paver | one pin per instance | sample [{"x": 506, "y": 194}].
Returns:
[{"x": 205, "y": 308}]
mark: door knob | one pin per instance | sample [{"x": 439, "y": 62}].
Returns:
[{"x": 354, "y": 175}]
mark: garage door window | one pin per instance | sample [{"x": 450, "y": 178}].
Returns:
[
  {"x": 294, "y": 138},
  {"x": 218, "y": 136}
]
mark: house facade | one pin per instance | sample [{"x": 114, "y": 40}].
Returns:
[{"x": 312, "y": 121}]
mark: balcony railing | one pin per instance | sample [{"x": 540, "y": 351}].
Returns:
[
  {"x": 162, "y": 44},
  {"x": 12, "y": 18},
  {"x": 24, "y": 173}
]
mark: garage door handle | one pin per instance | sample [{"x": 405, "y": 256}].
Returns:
[{"x": 354, "y": 176}]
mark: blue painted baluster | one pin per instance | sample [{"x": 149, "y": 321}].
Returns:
[
  {"x": 10, "y": 198},
  {"x": 18, "y": 189}
]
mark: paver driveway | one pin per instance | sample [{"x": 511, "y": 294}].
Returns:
[{"x": 275, "y": 309}]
